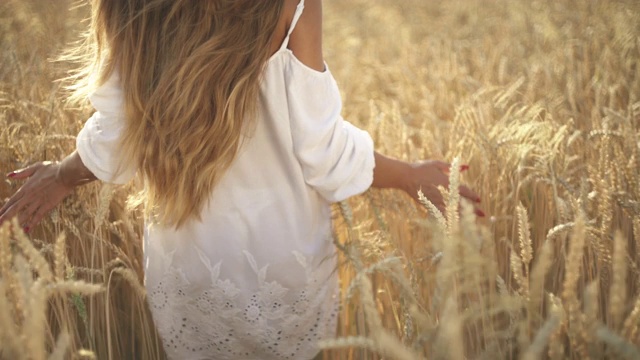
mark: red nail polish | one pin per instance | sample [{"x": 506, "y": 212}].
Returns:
[
  {"x": 478, "y": 200},
  {"x": 464, "y": 168},
  {"x": 480, "y": 213},
  {"x": 11, "y": 175},
  {"x": 26, "y": 229}
]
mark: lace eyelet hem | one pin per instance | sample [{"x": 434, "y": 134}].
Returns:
[{"x": 224, "y": 322}]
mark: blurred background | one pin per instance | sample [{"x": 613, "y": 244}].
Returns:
[{"x": 541, "y": 98}]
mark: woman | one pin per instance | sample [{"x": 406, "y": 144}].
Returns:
[{"x": 228, "y": 112}]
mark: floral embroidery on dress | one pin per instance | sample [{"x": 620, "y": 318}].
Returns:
[{"x": 223, "y": 322}]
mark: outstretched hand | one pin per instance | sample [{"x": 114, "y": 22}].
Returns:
[
  {"x": 428, "y": 176},
  {"x": 43, "y": 190}
]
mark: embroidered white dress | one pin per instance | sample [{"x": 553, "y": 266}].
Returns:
[{"x": 255, "y": 279}]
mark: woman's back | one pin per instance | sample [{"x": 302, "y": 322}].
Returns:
[
  {"x": 255, "y": 277},
  {"x": 240, "y": 167}
]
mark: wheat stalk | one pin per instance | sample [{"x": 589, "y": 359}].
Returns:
[
  {"x": 538, "y": 274},
  {"x": 540, "y": 341},
  {"x": 618, "y": 290}
]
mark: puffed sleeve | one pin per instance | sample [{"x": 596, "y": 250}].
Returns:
[
  {"x": 337, "y": 158},
  {"x": 99, "y": 140}
]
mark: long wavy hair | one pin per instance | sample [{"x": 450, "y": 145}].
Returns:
[{"x": 190, "y": 71}]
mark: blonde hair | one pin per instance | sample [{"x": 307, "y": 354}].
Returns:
[{"x": 190, "y": 71}]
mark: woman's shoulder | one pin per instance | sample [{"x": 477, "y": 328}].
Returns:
[
  {"x": 286, "y": 18},
  {"x": 306, "y": 38}
]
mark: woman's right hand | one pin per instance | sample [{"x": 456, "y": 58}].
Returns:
[
  {"x": 43, "y": 190},
  {"x": 428, "y": 176}
]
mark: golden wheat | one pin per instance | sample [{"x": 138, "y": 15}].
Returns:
[{"x": 541, "y": 98}]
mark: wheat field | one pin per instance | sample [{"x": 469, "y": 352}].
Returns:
[{"x": 540, "y": 97}]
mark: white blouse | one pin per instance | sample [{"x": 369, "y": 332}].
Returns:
[{"x": 255, "y": 279}]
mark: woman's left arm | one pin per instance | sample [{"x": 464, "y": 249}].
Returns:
[{"x": 47, "y": 184}]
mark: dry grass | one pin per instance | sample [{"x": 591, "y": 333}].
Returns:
[{"x": 541, "y": 98}]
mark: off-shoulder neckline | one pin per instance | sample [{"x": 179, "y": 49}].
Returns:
[{"x": 294, "y": 59}]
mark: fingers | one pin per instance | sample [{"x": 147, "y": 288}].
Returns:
[
  {"x": 18, "y": 175},
  {"x": 442, "y": 166},
  {"x": 24, "y": 216},
  {"x": 25, "y": 172},
  {"x": 446, "y": 167},
  {"x": 10, "y": 203},
  {"x": 36, "y": 197},
  {"x": 4, "y": 209},
  {"x": 6, "y": 213},
  {"x": 8, "y": 210},
  {"x": 29, "y": 210},
  {"x": 476, "y": 211},
  {"x": 469, "y": 194},
  {"x": 37, "y": 217},
  {"x": 14, "y": 208},
  {"x": 14, "y": 211},
  {"x": 464, "y": 190},
  {"x": 440, "y": 178},
  {"x": 15, "y": 198},
  {"x": 436, "y": 199}
]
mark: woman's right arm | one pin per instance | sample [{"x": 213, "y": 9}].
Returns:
[
  {"x": 338, "y": 160},
  {"x": 47, "y": 184}
]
